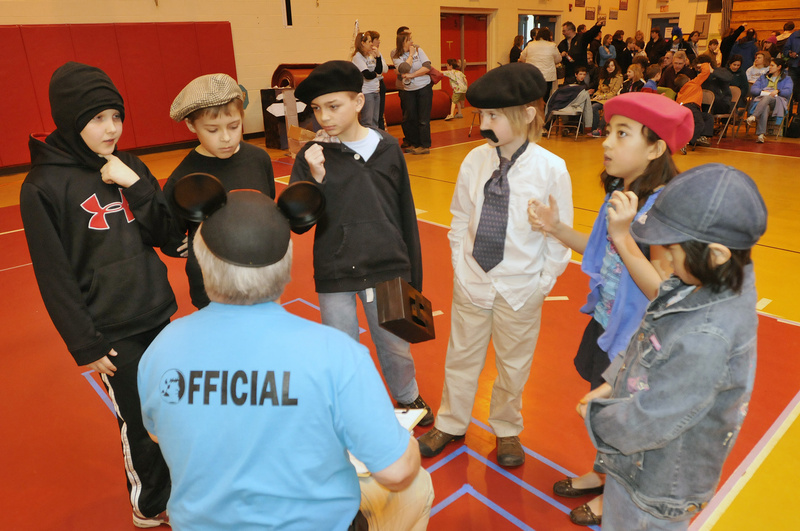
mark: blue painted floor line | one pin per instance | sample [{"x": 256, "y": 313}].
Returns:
[{"x": 101, "y": 392}]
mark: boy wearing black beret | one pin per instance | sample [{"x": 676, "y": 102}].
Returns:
[
  {"x": 368, "y": 233},
  {"x": 502, "y": 269}
]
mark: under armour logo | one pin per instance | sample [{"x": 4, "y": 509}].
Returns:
[{"x": 98, "y": 212}]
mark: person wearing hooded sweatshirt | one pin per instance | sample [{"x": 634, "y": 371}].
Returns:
[{"x": 92, "y": 216}]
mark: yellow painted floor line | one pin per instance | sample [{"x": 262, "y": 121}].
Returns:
[
  {"x": 763, "y": 303},
  {"x": 747, "y": 468}
]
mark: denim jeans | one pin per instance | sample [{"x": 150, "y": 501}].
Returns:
[
  {"x": 621, "y": 514},
  {"x": 394, "y": 354},
  {"x": 371, "y": 110},
  {"x": 762, "y": 113}
]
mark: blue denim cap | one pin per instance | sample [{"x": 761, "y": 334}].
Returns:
[{"x": 712, "y": 203}]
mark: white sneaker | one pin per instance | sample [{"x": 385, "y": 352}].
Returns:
[
  {"x": 141, "y": 521},
  {"x": 751, "y": 120},
  {"x": 760, "y": 139}
]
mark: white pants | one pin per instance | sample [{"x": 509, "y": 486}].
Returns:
[
  {"x": 514, "y": 335},
  {"x": 408, "y": 509}
]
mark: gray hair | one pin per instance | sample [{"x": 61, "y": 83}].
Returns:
[{"x": 232, "y": 284}]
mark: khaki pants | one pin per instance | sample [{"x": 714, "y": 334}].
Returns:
[
  {"x": 514, "y": 335},
  {"x": 408, "y": 509}
]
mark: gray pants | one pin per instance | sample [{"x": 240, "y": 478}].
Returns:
[{"x": 762, "y": 112}]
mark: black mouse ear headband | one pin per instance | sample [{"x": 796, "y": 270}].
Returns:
[
  {"x": 245, "y": 227},
  {"x": 198, "y": 195}
]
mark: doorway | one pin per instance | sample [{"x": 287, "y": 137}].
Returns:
[
  {"x": 528, "y": 22},
  {"x": 464, "y": 38},
  {"x": 667, "y": 25}
]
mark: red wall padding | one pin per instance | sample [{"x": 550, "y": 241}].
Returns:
[
  {"x": 19, "y": 107},
  {"x": 149, "y": 63}
]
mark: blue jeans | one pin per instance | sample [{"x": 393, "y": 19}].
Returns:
[
  {"x": 762, "y": 112},
  {"x": 394, "y": 354},
  {"x": 621, "y": 514},
  {"x": 371, "y": 110}
]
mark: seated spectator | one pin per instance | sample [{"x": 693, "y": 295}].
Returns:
[
  {"x": 592, "y": 74},
  {"x": 572, "y": 96},
  {"x": 255, "y": 408},
  {"x": 714, "y": 53},
  {"x": 690, "y": 46},
  {"x": 719, "y": 83},
  {"x": 690, "y": 95},
  {"x": 651, "y": 76},
  {"x": 771, "y": 93},
  {"x": 679, "y": 66},
  {"x": 610, "y": 85},
  {"x": 739, "y": 79},
  {"x": 759, "y": 68},
  {"x": 634, "y": 83}
]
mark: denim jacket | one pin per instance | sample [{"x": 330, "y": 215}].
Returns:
[{"x": 680, "y": 394}]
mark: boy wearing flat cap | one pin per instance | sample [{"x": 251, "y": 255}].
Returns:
[
  {"x": 502, "y": 269},
  {"x": 212, "y": 106},
  {"x": 368, "y": 233}
]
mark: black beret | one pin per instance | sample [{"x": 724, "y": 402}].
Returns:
[
  {"x": 507, "y": 86},
  {"x": 249, "y": 230},
  {"x": 333, "y": 76}
]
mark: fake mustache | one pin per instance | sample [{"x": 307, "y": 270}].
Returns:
[{"x": 489, "y": 134}]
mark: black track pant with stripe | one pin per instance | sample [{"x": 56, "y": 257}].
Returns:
[{"x": 146, "y": 471}]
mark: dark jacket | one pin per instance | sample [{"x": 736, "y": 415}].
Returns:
[
  {"x": 719, "y": 82},
  {"x": 656, "y": 49},
  {"x": 577, "y": 50},
  {"x": 250, "y": 168},
  {"x": 726, "y": 44},
  {"x": 747, "y": 49},
  {"x": 700, "y": 351},
  {"x": 739, "y": 79},
  {"x": 669, "y": 74},
  {"x": 369, "y": 231},
  {"x": 91, "y": 245}
]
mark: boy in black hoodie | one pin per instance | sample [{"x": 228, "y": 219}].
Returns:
[{"x": 92, "y": 216}]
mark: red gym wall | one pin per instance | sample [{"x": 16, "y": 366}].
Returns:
[{"x": 148, "y": 62}]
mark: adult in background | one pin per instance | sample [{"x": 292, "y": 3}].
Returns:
[
  {"x": 713, "y": 52},
  {"x": 639, "y": 38},
  {"x": 516, "y": 49},
  {"x": 791, "y": 50},
  {"x": 739, "y": 78},
  {"x": 727, "y": 42},
  {"x": 618, "y": 42},
  {"x": 679, "y": 66},
  {"x": 656, "y": 47},
  {"x": 747, "y": 47},
  {"x": 771, "y": 93},
  {"x": 781, "y": 39},
  {"x": 398, "y": 84},
  {"x": 544, "y": 55},
  {"x": 417, "y": 96},
  {"x": 255, "y": 408},
  {"x": 718, "y": 82},
  {"x": 606, "y": 51},
  {"x": 376, "y": 42},
  {"x": 573, "y": 46},
  {"x": 689, "y": 45}
]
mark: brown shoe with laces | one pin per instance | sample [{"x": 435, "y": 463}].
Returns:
[
  {"x": 509, "y": 452},
  {"x": 432, "y": 443},
  {"x": 419, "y": 403}
]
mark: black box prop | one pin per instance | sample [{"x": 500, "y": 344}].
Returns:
[{"x": 404, "y": 311}]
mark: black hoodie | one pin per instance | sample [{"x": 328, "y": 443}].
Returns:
[{"x": 91, "y": 243}]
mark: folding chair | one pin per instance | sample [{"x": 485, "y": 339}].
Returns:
[
  {"x": 736, "y": 93},
  {"x": 708, "y": 103},
  {"x": 558, "y": 116}
]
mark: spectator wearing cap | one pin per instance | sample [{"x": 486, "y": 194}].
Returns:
[
  {"x": 212, "y": 107},
  {"x": 254, "y": 408},
  {"x": 369, "y": 232},
  {"x": 696, "y": 345},
  {"x": 503, "y": 270}
]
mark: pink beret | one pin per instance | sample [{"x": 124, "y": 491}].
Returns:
[{"x": 672, "y": 123}]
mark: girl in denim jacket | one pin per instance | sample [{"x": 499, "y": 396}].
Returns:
[
  {"x": 645, "y": 129},
  {"x": 673, "y": 404}
]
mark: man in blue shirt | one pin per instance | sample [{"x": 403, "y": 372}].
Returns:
[{"x": 255, "y": 409}]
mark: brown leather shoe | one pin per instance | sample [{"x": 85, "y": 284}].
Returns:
[
  {"x": 565, "y": 489},
  {"x": 584, "y": 515},
  {"x": 509, "y": 452},
  {"x": 432, "y": 443}
]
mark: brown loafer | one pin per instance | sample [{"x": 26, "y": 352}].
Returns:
[
  {"x": 432, "y": 443},
  {"x": 584, "y": 515},
  {"x": 565, "y": 489},
  {"x": 509, "y": 452}
]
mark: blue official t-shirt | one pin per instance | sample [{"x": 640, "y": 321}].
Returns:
[{"x": 254, "y": 409}]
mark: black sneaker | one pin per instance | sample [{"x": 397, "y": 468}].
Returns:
[{"x": 419, "y": 403}]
